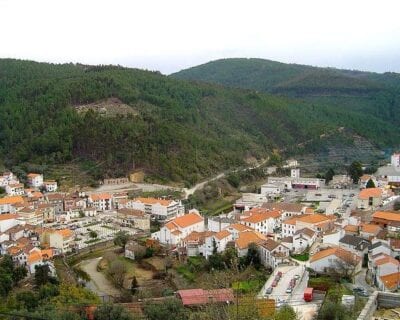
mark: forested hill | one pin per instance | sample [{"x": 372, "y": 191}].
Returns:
[
  {"x": 177, "y": 130},
  {"x": 367, "y": 93},
  {"x": 276, "y": 77}
]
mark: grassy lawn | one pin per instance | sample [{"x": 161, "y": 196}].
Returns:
[
  {"x": 248, "y": 285},
  {"x": 186, "y": 273},
  {"x": 301, "y": 257}
]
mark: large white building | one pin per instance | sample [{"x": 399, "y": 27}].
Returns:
[
  {"x": 295, "y": 181},
  {"x": 15, "y": 189},
  {"x": 160, "y": 209},
  {"x": 101, "y": 201},
  {"x": 35, "y": 180},
  {"x": 179, "y": 228}
]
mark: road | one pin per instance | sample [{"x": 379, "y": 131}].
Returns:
[
  {"x": 98, "y": 282},
  {"x": 200, "y": 185}
]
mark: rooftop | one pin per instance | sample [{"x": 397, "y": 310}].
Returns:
[
  {"x": 184, "y": 221},
  {"x": 386, "y": 215},
  {"x": 365, "y": 194},
  {"x": 340, "y": 253}
]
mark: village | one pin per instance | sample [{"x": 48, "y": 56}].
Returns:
[{"x": 282, "y": 246}]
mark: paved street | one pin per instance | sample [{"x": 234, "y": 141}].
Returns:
[{"x": 288, "y": 272}]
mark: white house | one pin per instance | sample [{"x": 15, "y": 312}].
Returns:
[
  {"x": 273, "y": 253},
  {"x": 302, "y": 239},
  {"x": 59, "y": 239},
  {"x": 35, "y": 180},
  {"x": 50, "y": 185},
  {"x": 7, "y": 221},
  {"x": 101, "y": 201},
  {"x": 15, "y": 189},
  {"x": 335, "y": 259},
  {"x": 179, "y": 228},
  {"x": 272, "y": 188},
  {"x": 7, "y": 178},
  {"x": 245, "y": 238},
  {"x": 288, "y": 209},
  {"x": 217, "y": 224},
  {"x": 262, "y": 220}
]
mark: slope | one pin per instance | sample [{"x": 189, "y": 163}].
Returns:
[{"x": 179, "y": 131}]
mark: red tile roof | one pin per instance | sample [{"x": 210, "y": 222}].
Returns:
[{"x": 192, "y": 297}]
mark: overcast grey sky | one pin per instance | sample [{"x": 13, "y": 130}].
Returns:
[{"x": 169, "y": 35}]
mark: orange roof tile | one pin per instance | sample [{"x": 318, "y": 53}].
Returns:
[
  {"x": 351, "y": 228},
  {"x": 370, "y": 192},
  {"x": 185, "y": 221},
  {"x": 262, "y": 215},
  {"x": 392, "y": 216},
  {"x": 222, "y": 234},
  {"x": 313, "y": 218},
  {"x": 386, "y": 259},
  {"x": 13, "y": 250},
  {"x": 65, "y": 233},
  {"x": 338, "y": 252},
  {"x": 11, "y": 200},
  {"x": 34, "y": 256},
  {"x": 291, "y": 221},
  {"x": 309, "y": 211},
  {"x": 100, "y": 196},
  {"x": 247, "y": 237},
  {"x": 365, "y": 177},
  {"x": 33, "y": 175},
  {"x": 47, "y": 253},
  {"x": 239, "y": 227},
  {"x": 162, "y": 202},
  {"x": 370, "y": 228},
  {"x": 8, "y": 216},
  {"x": 391, "y": 280}
]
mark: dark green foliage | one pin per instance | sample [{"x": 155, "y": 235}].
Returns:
[
  {"x": 182, "y": 131},
  {"x": 93, "y": 234},
  {"x": 252, "y": 256},
  {"x": 121, "y": 238},
  {"x": 355, "y": 171},
  {"x": 5, "y": 283},
  {"x": 370, "y": 184},
  {"x": 111, "y": 311},
  {"x": 329, "y": 175},
  {"x": 396, "y": 205},
  {"x": 19, "y": 273},
  {"x": 134, "y": 285},
  {"x": 370, "y": 170},
  {"x": 169, "y": 309},
  {"x": 48, "y": 291},
  {"x": 286, "y": 312},
  {"x": 233, "y": 179},
  {"x": 27, "y": 300},
  {"x": 43, "y": 276}
]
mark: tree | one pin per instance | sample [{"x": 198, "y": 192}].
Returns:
[
  {"x": 93, "y": 234},
  {"x": 355, "y": 171},
  {"x": 28, "y": 300},
  {"x": 253, "y": 256},
  {"x": 169, "y": 309},
  {"x": 121, "y": 238},
  {"x": 42, "y": 275},
  {"x": 286, "y": 312},
  {"x": 5, "y": 283},
  {"x": 370, "y": 184},
  {"x": 134, "y": 285},
  {"x": 233, "y": 180},
  {"x": 117, "y": 272},
  {"x": 111, "y": 311},
  {"x": 396, "y": 205},
  {"x": 329, "y": 175},
  {"x": 19, "y": 273}
]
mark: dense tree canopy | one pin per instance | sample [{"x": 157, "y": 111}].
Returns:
[{"x": 178, "y": 131}]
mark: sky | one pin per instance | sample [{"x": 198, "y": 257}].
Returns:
[{"x": 171, "y": 35}]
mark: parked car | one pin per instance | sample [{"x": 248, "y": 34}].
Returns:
[
  {"x": 297, "y": 276},
  {"x": 274, "y": 283},
  {"x": 269, "y": 290},
  {"x": 279, "y": 273},
  {"x": 289, "y": 290}
]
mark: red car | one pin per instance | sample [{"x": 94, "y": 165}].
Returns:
[{"x": 274, "y": 284}]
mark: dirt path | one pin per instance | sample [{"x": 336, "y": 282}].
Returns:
[{"x": 98, "y": 283}]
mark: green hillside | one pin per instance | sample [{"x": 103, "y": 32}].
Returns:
[
  {"x": 178, "y": 130},
  {"x": 366, "y": 93}
]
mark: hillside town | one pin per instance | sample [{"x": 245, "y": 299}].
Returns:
[{"x": 299, "y": 228}]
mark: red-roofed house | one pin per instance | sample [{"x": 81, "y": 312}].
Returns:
[
  {"x": 101, "y": 201},
  {"x": 383, "y": 265},
  {"x": 369, "y": 198},
  {"x": 179, "y": 228},
  {"x": 35, "y": 180},
  {"x": 262, "y": 220},
  {"x": 198, "y": 297}
]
